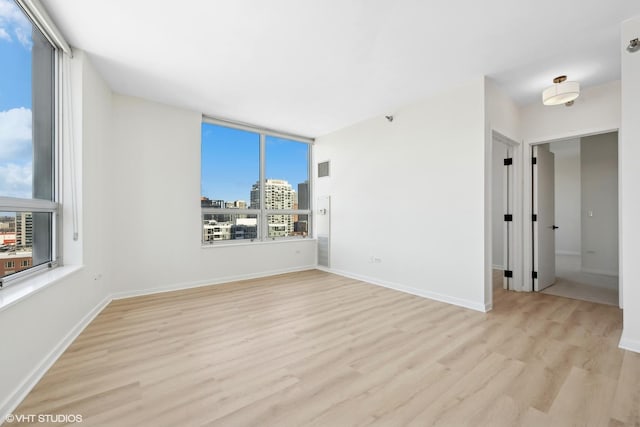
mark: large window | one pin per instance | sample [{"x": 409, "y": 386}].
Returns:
[
  {"x": 254, "y": 186},
  {"x": 27, "y": 146}
]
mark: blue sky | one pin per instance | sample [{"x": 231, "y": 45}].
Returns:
[
  {"x": 15, "y": 102},
  {"x": 231, "y": 162}
]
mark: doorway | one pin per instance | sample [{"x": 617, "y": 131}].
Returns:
[
  {"x": 505, "y": 213},
  {"x": 575, "y": 218}
]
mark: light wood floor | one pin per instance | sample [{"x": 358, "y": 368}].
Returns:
[{"x": 317, "y": 349}]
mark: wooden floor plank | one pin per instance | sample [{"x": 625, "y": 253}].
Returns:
[{"x": 312, "y": 348}]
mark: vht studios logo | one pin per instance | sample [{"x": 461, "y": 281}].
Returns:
[{"x": 44, "y": 418}]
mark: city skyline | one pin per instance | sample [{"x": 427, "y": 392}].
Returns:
[
  {"x": 278, "y": 194},
  {"x": 231, "y": 162},
  {"x": 297, "y": 190}
]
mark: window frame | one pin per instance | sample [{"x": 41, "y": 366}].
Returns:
[
  {"x": 34, "y": 205},
  {"x": 262, "y": 213}
]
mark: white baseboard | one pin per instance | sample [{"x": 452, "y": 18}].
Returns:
[
  {"x": 18, "y": 395},
  {"x": 460, "y": 302},
  {"x": 629, "y": 344},
  {"x": 201, "y": 283},
  {"x": 601, "y": 272}
]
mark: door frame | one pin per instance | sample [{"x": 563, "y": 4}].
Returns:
[
  {"x": 515, "y": 197},
  {"x": 527, "y": 247}
]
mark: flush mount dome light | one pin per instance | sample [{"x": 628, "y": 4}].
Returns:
[{"x": 562, "y": 92}]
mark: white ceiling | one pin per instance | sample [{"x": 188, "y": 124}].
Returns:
[{"x": 313, "y": 66}]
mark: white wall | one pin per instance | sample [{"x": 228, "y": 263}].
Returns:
[
  {"x": 156, "y": 183},
  {"x": 599, "y": 171},
  {"x": 567, "y": 196},
  {"x": 35, "y": 327},
  {"x": 497, "y": 204},
  {"x": 502, "y": 114},
  {"x": 596, "y": 110},
  {"x": 411, "y": 193},
  {"x": 629, "y": 151}
]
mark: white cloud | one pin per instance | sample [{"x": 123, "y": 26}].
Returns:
[
  {"x": 15, "y": 134},
  {"x": 16, "y": 180},
  {"x": 24, "y": 38},
  {"x": 13, "y": 20},
  {"x": 4, "y": 35}
]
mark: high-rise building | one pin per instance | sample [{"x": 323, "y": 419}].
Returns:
[
  {"x": 24, "y": 229},
  {"x": 301, "y": 222},
  {"x": 278, "y": 194},
  {"x": 303, "y": 195}
]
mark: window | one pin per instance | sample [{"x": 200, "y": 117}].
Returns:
[
  {"x": 254, "y": 185},
  {"x": 27, "y": 144}
]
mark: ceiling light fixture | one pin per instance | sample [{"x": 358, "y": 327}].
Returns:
[{"x": 562, "y": 92}]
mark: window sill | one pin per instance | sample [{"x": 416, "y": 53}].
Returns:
[
  {"x": 257, "y": 243},
  {"x": 19, "y": 291}
]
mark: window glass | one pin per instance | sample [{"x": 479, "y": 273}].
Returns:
[
  {"x": 287, "y": 174},
  {"x": 18, "y": 240},
  {"x": 230, "y": 167},
  {"x": 232, "y": 189},
  {"x": 27, "y": 142}
]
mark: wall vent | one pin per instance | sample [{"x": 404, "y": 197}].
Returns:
[
  {"x": 323, "y": 169},
  {"x": 323, "y": 251}
]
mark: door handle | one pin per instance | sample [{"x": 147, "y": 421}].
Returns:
[{"x": 553, "y": 227}]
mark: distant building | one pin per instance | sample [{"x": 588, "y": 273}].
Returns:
[
  {"x": 244, "y": 228},
  {"x": 13, "y": 262},
  {"x": 236, "y": 204},
  {"x": 213, "y": 230},
  {"x": 7, "y": 238},
  {"x": 24, "y": 229},
  {"x": 303, "y": 195},
  {"x": 278, "y": 194},
  {"x": 205, "y": 202},
  {"x": 301, "y": 226},
  {"x": 301, "y": 222}
]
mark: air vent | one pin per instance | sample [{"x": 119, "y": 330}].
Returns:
[
  {"x": 323, "y": 169},
  {"x": 323, "y": 251}
]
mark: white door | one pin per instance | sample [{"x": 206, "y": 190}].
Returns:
[{"x": 544, "y": 240}]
